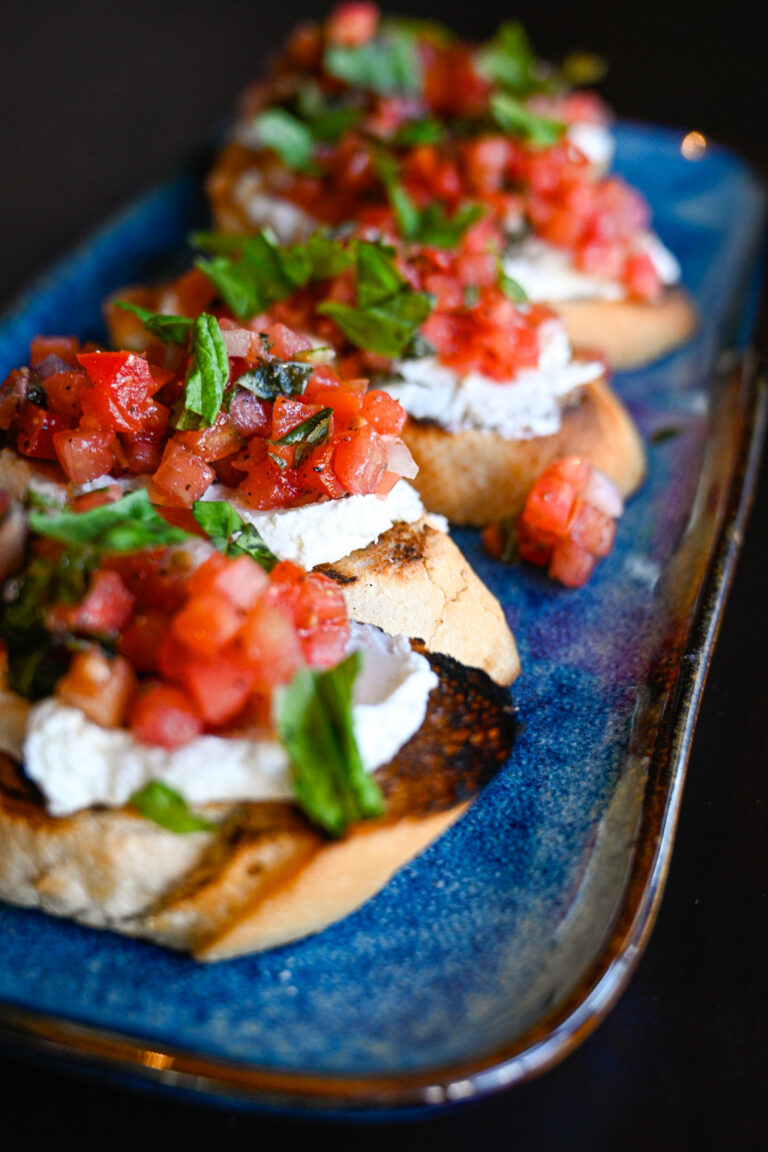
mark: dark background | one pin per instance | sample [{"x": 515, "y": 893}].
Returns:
[{"x": 98, "y": 102}]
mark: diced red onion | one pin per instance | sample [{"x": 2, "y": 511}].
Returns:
[{"x": 399, "y": 460}]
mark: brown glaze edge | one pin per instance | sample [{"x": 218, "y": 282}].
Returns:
[{"x": 679, "y": 685}]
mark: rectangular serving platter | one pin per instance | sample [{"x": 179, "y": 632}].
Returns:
[{"x": 497, "y": 951}]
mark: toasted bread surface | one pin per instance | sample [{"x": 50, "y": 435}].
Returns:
[
  {"x": 477, "y": 477},
  {"x": 630, "y": 333},
  {"x": 263, "y": 875},
  {"x": 415, "y": 580}
]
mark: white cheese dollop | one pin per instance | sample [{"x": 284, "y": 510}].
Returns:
[
  {"x": 325, "y": 531},
  {"x": 77, "y": 764},
  {"x": 595, "y": 141},
  {"x": 547, "y": 273},
  {"x": 525, "y": 407}
]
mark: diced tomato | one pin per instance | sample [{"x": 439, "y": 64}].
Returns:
[
  {"x": 62, "y": 390},
  {"x": 360, "y": 460},
  {"x": 105, "y": 610},
  {"x": 164, "y": 715},
  {"x": 65, "y": 347},
  {"x": 219, "y": 687},
  {"x": 288, "y": 414},
  {"x": 549, "y": 504},
  {"x": 271, "y": 644},
  {"x": 210, "y": 444},
  {"x": 99, "y": 685},
  {"x": 571, "y": 564},
  {"x": 140, "y": 641},
  {"x": 345, "y": 404},
  {"x": 352, "y": 24},
  {"x": 182, "y": 476},
  {"x": 84, "y": 454},
  {"x": 286, "y": 344},
  {"x": 35, "y": 431},
  {"x": 239, "y": 578},
  {"x": 316, "y": 471},
  {"x": 97, "y": 498},
  {"x": 321, "y": 619},
  {"x": 592, "y": 529},
  {"x": 206, "y": 624},
  {"x": 122, "y": 385},
  {"x": 384, "y": 413},
  {"x": 534, "y": 545},
  {"x": 142, "y": 456},
  {"x": 249, "y": 415},
  {"x": 267, "y": 486}
]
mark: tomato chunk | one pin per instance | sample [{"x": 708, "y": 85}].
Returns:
[{"x": 164, "y": 715}]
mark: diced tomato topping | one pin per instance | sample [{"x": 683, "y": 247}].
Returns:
[
  {"x": 288, "y": 414},
  {"x": 316, "y": 471},
  {"x": 361, "y": 460},
  {"x": 571, "y": 564},
  {"x": 182, "y": 476},
  {"x": 84, "y": 454},
  {"x": 271, "y": 644},
  {"x": 591, "y": 529},
  {"x": 549, "y": 504},
  {"x": 206, "y": 624},
  {"x": 164, "y": 715},
  {"x": 105, "y": 610},
  {"x": 211, "y": 444},
  {"x": 286, "y": 344},
  {"x": 220, "y": 687},
  {"x": 249, "y": 415},
  {"x": 35, "y": 432},
  {"x": 384, "y": 413},
  {"x": 140, "y": 641},
  {"x": 352, "y": 24},
  {"x": 239, "y": 579},
  {"x": 62, "y": 391}
]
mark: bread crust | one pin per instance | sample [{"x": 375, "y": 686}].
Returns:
[
  {"x": 263, "y": 876},
  {"x": 477, "y": 477},
  {"x": 415, "y": 580},
  {"x": 630, "y": 333}
]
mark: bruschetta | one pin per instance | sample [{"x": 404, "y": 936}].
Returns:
[
  {"x": 413, "y": 117},
  {"x": 208, "y": 754}
]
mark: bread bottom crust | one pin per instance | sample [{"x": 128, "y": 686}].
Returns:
[
  {"x": 476, "y": 477},
  {"x": 630, "y": 333}
]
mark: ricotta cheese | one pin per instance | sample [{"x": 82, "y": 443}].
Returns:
[
  {"x": 522, "y": 408},
  {"x": 547, "y": 273},
  {"x": 323, "y": 532},
  {"x": 594, "y": 140},
  {"x": 77, "y": 764}
]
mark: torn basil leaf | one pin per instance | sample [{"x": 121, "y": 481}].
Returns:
[
  {"x": 508, "y": 59},
  {"x": 513, "y": 117},
  {"x": 307, "y": 435},
  {"x": 168, "y": 808},
  {"x": 415, "y": 132},
  {"x": 314, "y": 720},
  {"x": 169, "y": 329},
  {"x": 285, "y": 134},
  {"x": 230, "y": 534},
  {"x": 389, "y": 64},
  {"x": 275, "y": 378},
  {"x": 207, "y": 375},
  {"x": 129, "y": 524},
  {"x": 511, "y": 289}
]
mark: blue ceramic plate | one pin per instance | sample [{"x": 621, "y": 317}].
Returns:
[{"x": 501, "y": 947}]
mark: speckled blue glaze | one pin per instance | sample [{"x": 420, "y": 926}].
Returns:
[{"x": 469, "y": 945}]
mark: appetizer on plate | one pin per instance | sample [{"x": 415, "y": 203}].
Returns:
[
  {"x": 489, "y": 380},
  {"x": 204, "y": 751},
  {"x": 363, "y": 111},
  {"x": 271, "y": 443}
]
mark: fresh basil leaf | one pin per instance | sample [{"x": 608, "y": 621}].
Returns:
[
  {"x": 327, "y": 121},
  {"x": 326, "y": 256},
  {"x": 207, "y": 374},
  {"x": 126, "y": 525},
  {"x": 386, "y": 329},
  {"x": 168, "y": 808},
  {"x": 250, "y": 273},
  {"x": 314, "y": 720},
  {"x": 438, "y": 230},
  {"x": 513, "y": 117},
  {"x": 511, "y": 289},
  {"x": 414, "y": 132},
  {"x": 230, "y": 534},
  {"x": 288, "y": 136},
  {"x": 311, "y": 431},
  {"x": 388, "y": 64},
  {"x": 276, "y": 378},
  {"x": 169, "y": 329},
  {"x": 508, "y": 59},
  {"x": 377, "y": 276}
]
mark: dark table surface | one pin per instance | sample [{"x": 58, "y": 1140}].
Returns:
[{"x": 99, "y": 101}]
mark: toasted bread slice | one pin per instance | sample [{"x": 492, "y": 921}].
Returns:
[
  {"x": 475, "y": 477},
  {"x": 630, "y": 333},
  {"x": 415, "y": 580},
  {"x": 263, "y": 876}
]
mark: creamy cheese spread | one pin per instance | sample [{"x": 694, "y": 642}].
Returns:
[
  {"x": 322, "y": 532},
  {"x": 525, "y": 407},
  {"x": 77, "y": 763},
  {"x": 547, "y": 273},
  {"x": 595, "y": 141}
]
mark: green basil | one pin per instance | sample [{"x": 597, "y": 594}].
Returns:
[
  {"x": 307, "y": 435},
  {"x": 129, "y": 524},
  {"x": 168, "y": 808},
  {"x": 288, "y": 136},
  {"x": 314, "y": 720},
  {"x": 207, "y": 374},
  {"x": 513, "y": 117},
  {"x": 511, "y": 289},
  {"x": 275, "y": 378},
  {"x": 389, "y": 64},
  {"x": 508, "y": 59},
  {"x": 169, "y": 329},
  {"x": 415, "y": 132},
  {"x": 230, "y": 534}
]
